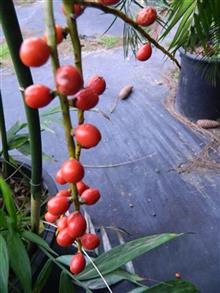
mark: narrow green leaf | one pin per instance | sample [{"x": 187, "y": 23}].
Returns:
[
  {"x": 66, "y": 284},
  {"x": 4, "y": 266},
  {"x": 37, "y": 240},
  {"x": 8, "y": 200},
  {"x": 18, "y": 141},
  {"x": 43, "y": 276},
  {"x": 142, "y": 289},
  {"x": 19, "y": 261},
  {"x": 112, "y": 279},
  {"x": 15, "y": 128},
  {"x": 120, "y": 255},
  {"x": 173, "y": 286}
]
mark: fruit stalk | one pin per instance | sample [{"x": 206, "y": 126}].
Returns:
[
  {"x": 50, "y": 29},
  {"x": 131, "y": 22},
  {"x": 13, "y": 38},
  {"x": 74, "y": 36},
  {"x": 5, "y": 165}
]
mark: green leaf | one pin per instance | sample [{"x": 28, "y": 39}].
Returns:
[
  {"x": 4, "y": 266},
  {"x": 66, "y": 284},
  {"x": 43, "y": 276},
  {"x": 139, "y": 290},
  {"x": 120, "y": 255},
  {"x": 8, "y": 200},
  {"x": 173, "y": 286},
  {"x": 112, "y": 278},
  {"x": 37, "y": 240},
  {"x": 18, "y": 141},
  {"x": 15, "y": 128},
  {"x": 19, "y": 261}
]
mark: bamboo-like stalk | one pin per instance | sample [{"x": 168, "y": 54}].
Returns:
[
  {"x": 74, "y": 36},
  {"x": 13, "y": 38},
  {"x": 50, "y": 30},
  {"x": 5, "y": 165},
  {"x": 131, "y": 22}
]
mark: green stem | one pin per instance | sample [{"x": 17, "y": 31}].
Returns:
[
  {"x": 131, "y": 22},
  {"x": 5, "y": 165},
  {"x": 14, "y": 39},
  {"x": 74, "y": 36},
  {"x": 50, "y": 28}
]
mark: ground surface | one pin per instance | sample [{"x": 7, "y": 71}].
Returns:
[{"x": 149, "y": 195}]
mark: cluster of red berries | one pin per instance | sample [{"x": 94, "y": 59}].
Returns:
[{"x": 35, "y": 52}]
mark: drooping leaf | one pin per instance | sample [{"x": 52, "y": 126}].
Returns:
[
  {"x": 105, "y": 240},
  {"x": 66, "y": 284},
  {"x": 8, "y": 200},
  {"x": 173, "y": 286},
  {"x": 4, "y": 266},
  {"x": 43, "y": 276},
  {"x": 37, "y": 240},
  {"x": 19, "y": 261},
  {"x": 120, "y": 255},
  {"x": 112, "y": 279},
  {"x": 17, "y": 141}
]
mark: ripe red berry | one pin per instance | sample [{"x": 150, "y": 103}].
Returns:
[
  {"x": 146, "y": 16},
  {"x": 62, "y": 223},
  {"x": 76, "y": 224},
  {"x": 90, "y": 196},
  {"x": 50, "y": 217},
  {"x": 34, "y": 52},
  {"x": 144, "y": 52},
  {"x": 59, "y": 34},
  {"x": 64, "y": 239},
  {"x": 72, "y": 171},
  {"x": 90, "y": 241},
  {"x": 58, "y": 205},
  {"x": 64, "y": 192},
  {"x": 86, "y": 99},
  {"x": 109, "y": 2},
  {"x": 97, "y": 84},
  {"x": 81, "y": 186},
  {"x": 87, "y": 135},
  {"x": 37, "y": 96},
  {"x": 59, "y": 178},
  {"x": 77, "y": 263},
  {"x": 68, "y": 80},
  {"x": 77, "y": 10}
]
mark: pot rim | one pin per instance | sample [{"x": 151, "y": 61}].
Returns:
[{"x": 198, "y": 58}]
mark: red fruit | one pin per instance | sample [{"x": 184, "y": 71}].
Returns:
[
  {"x": 76, "y": 224},
  {"x": 59, "y": 34},
  {"x": 77, "y": 10},
  {"x": 59, "y": 178},
  {"x": 144, "y": 52},
  {"x": 146, "y": 16},
  {"x": 62, "y": 223},
  {"x": 64, "y": 239},
  {"x": 58, "y": 205},
  {"x": 90, "y": 196},
  {"x": 86, "y": 99},
  {"x": 109, "y": 2},
  {"x": 90, "y": 241},
  {"x": 77, "y": 263},
  {"x": 65, "y": 193},
  {"x": 81, "y": 186},
  {"x": 34, "y": 52},
  {"x": 68, "y": 80},
  {"x": 87, "y": 135},
  {"x": 72, "y": 171},
  {"x": 97, "y": 84},
  {"x": 50, "y": 217},
  {"x": 37, "y": 96}
]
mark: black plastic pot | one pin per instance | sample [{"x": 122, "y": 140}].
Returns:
[
  {"x": 38, "y": 258},
  {"x": 197, "y": 96}
]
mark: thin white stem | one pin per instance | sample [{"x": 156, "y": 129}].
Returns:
[{"x": 98, "y": 271}]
